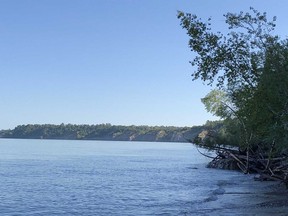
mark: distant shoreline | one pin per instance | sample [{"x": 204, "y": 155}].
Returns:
[
  {"x": 58, "y": 139},
  {"x": 103, "y": 132}
]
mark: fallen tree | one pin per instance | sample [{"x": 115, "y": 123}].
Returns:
[{"x": 257, "y": 160}]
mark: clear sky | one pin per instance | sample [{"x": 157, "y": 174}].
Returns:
[{"x": 123, "y": 62}]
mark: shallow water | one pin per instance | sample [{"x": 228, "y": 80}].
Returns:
[{"x": 54, "y": 177}]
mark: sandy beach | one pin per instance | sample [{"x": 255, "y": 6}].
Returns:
[{"x": 242, "y": 195}]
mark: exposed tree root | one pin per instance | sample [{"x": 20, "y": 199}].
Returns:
[{"x": 267, "y": 168}]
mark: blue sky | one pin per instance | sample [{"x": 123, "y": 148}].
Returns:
[{"x": 123, "y": 62}]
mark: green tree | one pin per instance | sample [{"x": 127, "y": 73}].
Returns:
[{"x": 249, "y": 67}]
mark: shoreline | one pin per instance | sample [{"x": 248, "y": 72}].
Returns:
[
  {"x": 108, "y": 140},
  {"x": 242, "y": 195}
]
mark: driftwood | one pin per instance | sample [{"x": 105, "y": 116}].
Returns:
[{"x": 266, "y": 167}]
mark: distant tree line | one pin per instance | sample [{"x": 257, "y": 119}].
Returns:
[{"x": 103, "y": 132}]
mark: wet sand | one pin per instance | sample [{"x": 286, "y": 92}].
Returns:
[{"x": 241, "y": 195}]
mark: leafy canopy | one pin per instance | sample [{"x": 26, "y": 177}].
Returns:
[
  {"x": 249, "y": 66},
  {"x": 239, "y": 55}
]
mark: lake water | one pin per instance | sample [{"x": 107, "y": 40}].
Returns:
[{"x": 56, "y": 177}]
